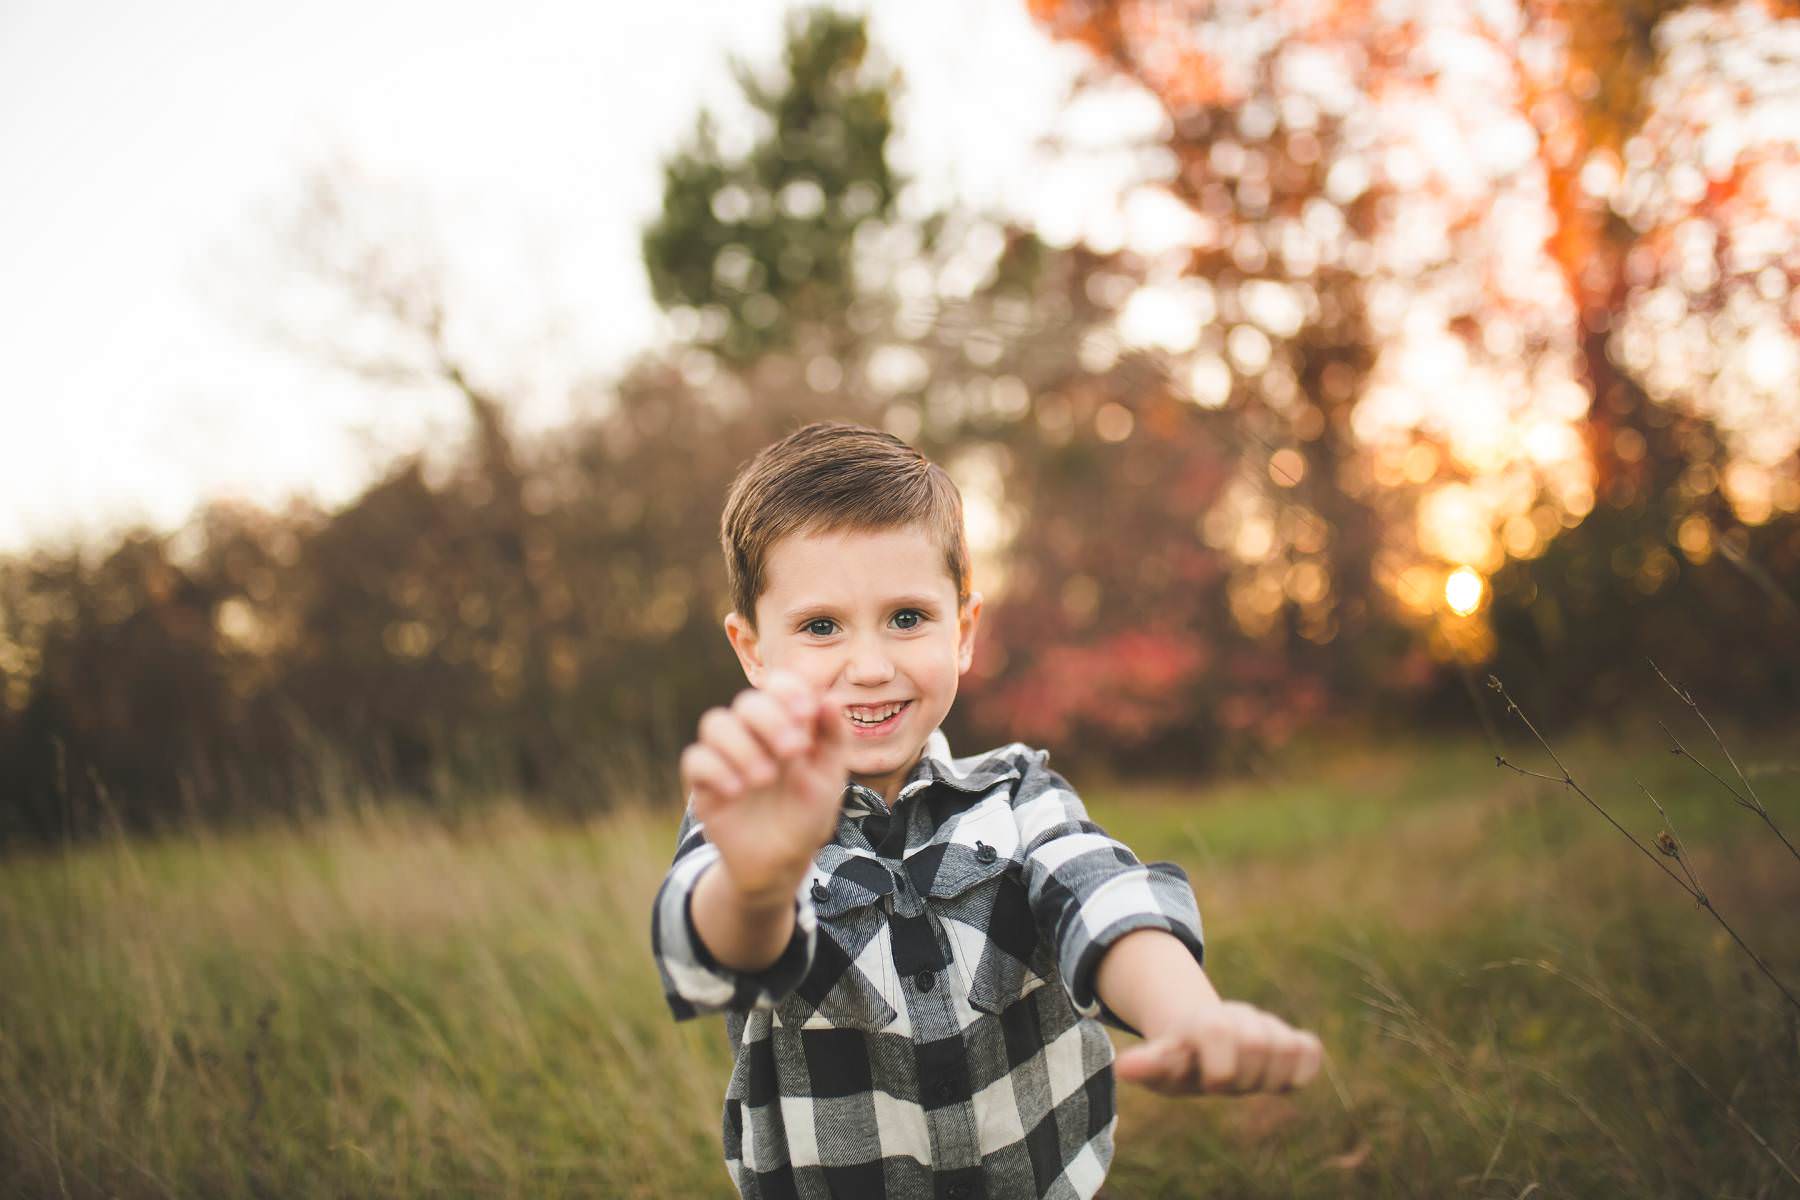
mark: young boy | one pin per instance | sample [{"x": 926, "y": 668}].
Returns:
[{"x": 915, "y": 952}]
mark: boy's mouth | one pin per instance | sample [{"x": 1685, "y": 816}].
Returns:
[{"x": 869, "y": 720}]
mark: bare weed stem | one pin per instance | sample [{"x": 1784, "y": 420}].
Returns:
[
  {"x": 1744, "y": 799},
  {"x": 1671, "y": 849}
]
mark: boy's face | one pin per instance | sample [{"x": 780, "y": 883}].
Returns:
[{"x": 871, "y": 620}]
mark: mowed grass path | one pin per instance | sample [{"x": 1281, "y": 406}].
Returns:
[{"x": 385, "y": 1005}]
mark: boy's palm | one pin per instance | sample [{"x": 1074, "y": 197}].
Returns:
[{"x": 767, "y": 779}]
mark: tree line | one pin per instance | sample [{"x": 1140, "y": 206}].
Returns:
[{"x": 1201, "y": 541}]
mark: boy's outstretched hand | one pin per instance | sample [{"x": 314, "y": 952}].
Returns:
[
  {"x": 1228, "y": 1048},
  {"x": 767, "y": 780},
  {"x": 1194, "y": 1042}
]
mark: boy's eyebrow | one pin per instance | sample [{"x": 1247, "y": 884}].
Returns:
[{"x": 808, "y": 608}]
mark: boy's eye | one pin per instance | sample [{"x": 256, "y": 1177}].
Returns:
[
  {"x": 908, "y": 618},
  {"x": 821, "y": 626}
]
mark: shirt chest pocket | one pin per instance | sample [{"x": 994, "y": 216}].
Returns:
[
  {"x": 852, "y": 983},
  {"x": 977, "y": 893}
]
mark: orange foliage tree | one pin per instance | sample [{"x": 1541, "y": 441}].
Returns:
[{"x": 1566, "y": 238}]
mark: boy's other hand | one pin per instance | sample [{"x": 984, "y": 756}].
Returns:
[
  {"x": 1228, "y": 1048},
  {"x": 767, "y": 776}
]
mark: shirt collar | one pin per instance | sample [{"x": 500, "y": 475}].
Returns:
[{"x": 973, "y": 775}]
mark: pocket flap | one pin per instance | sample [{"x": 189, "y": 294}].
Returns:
[
  {"x": 954, "y": 871},
  {"x": 981, "y": 843},
  {"x": 854, "y": 882},
  {"x": 997, "y": 990}
]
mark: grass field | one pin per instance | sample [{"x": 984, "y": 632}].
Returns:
[{"x": 1514, "y": 1001}]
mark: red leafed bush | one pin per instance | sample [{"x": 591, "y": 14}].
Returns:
[{"x": 1125, "y": 687}]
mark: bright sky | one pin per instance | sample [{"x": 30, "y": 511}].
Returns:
[{"x": 139, "y": 143}]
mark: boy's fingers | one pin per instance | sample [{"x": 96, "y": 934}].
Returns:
[
  {"x": 1218, "y": 1048},
  {"x": 831, "y": 729},
  {"x": 1284, "y": 1056},
  {"x": 1312, "y": 1056},
  {"x": 818, "y": 782},
  {"x": 1247, "y": 1053},
  {"x": 821, "y": 795},
  {"x": 709, "y": 777},
  {"x": 773, "y": 725},
  {"x": 1254, "y": 1042},
  {"x": 823, "y": 725},
  {"x": 1251, "y": 1058},
  {"x": 1140, "y": 1064},
  {"x": 724, "y": 732},
  {"x": 1162, "y": 1066},
  {"x": 793, "y": 692}
]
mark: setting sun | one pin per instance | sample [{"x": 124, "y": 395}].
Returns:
[{"x": 1462, "y": 591}]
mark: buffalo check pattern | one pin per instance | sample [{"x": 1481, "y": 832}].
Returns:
[{"x": 931, "y": 1030}]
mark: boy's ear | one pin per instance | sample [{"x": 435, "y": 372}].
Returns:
[
  {"x": 742, "y": 636},
  {"x": 968, "y": 619}
]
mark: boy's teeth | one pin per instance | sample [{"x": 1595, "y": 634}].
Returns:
[{"x": 872, "y": 715}]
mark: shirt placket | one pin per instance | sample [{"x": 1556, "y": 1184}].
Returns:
[{"x": 939, "y": 1053}]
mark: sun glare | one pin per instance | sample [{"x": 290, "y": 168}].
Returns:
[{"x": 1462, "y": 591}]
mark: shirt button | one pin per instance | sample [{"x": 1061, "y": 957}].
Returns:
[
  {"x": 958, "y": 1191},
  {"x": 943, "y": 1089},
  {"x": 926, "y": 980},
  {"x": 820, "y": 893},
  {"x": 984, "y": 853}
]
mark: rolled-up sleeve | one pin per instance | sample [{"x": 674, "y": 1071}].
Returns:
[
  {"x": 1087, "y": 890},
  {"x": 693, "y": 981}
]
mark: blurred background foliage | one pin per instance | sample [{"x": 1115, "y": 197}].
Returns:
[{"x": 1471, "y": 345}]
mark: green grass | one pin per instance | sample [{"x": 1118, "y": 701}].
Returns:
[{"x": 379, "y": 1004}]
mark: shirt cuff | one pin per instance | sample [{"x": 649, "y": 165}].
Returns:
[
  {"x": 695, "y": 982},
  {"x": 794, "y": 950}
]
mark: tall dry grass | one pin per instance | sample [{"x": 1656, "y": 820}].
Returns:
[
  {"x": 381, "y": 1003},
  {"x": 377, "y": 1004}
]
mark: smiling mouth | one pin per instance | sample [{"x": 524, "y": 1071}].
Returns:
[{"x": 873, "y": 718}]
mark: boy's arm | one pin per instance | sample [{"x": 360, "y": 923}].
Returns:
[
  {"x": 1129, "y": 945},
  {"x": 731, "y": 927},
  {"x": 1196, "y": 1042},
  {"x": 1151, "y": 981},
  {"x": 743, "y": 931},
  {"x": 694, "y": 981},
  {"x": 1088, "y": 891}
]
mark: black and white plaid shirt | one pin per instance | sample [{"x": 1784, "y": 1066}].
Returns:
[{"x": 931, "y": 1030}]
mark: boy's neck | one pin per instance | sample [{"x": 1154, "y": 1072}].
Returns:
[{"x": 887, "y": 786}]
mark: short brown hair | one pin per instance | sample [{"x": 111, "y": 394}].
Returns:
[{"x": 830, "y": 477}]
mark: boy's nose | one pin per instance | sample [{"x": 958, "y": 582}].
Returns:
[{"x": 867, "y": 667}]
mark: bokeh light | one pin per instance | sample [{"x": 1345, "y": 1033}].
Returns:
[{"x": 1463, "y": 590}]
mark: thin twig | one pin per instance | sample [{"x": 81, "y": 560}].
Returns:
[
  {"x": 1748, "y": 797},
  {"x": 1500, "y": 760},
  {"x": 1568, "y": 781},
  {"x": 1674, "y": 847},
  {"x": 1681, "y": 751},
  {"x": 1655, "y": 1039}
]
